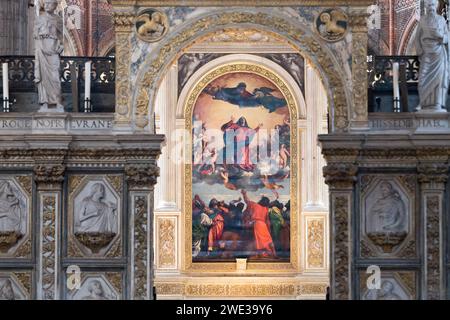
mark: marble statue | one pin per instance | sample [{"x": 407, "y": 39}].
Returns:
[
  {"x": 7, "y": 291},
  {"x": 388, "y": 214},
  {"x": 96, "y": 291},
  {"x": 97, "y": 215},
  {"x": 10, "y": 209},
  {"x": 49, "y": 47},
  {"x": 433, "y": 51}
]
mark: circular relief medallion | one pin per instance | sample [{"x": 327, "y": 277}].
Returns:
[
  {"x": 151, "y": 25},
  {"x": 332, "y": 24}
]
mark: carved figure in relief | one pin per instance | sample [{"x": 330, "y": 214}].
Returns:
[
  {"x": 96, "y": 292},
  {"x": 7, "y": 291},
  {"x": 388, "y": 213},
  {"x": 151, "y": 25},
  {"x": 11, "y": 212},
  {"x": 97, "y": 215},
  {"x": 332, "y": 24},
  {"x": 386, "y": 292},
  {"x": 387, "y": 219}
]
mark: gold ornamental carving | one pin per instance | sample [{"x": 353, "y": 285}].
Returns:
[
  {"x": 316, "y": 243},
  {"x": 151, "y": 25},
  {"x": 307, "y": 44},
  {"x": 332, "y": 24},
  {"x": 240, "y": 3},
  {"x": 166, "y": 244}
]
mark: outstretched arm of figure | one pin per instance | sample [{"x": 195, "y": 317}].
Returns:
[{"x": 244, "y": 195}]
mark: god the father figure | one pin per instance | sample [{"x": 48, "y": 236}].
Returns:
[{"x": 48, "y": 42}]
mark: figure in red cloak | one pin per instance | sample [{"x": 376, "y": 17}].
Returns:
[{"x": 261, "y": 225}]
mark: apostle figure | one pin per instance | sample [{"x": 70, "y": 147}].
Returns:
[
  {"x": 388, "y": 214},
  {"x": 7, "y": 291},
  {"x": 48, "y": 43},
  {"x": 217, "y": 225},
  {"x": 386, "y": 292},
  {"x": 261, "y": 225},
  {"x": 97, "y": 216},
  {"x": 96, "y": 291},
  {"x": 433, "y": 51},
  {"x": 10, "y": 209},
  {"x": 239, "y": 134}
]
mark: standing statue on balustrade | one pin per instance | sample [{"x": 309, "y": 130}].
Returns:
[
  {"x": 433, "y": 52},
  {"x": 49, "y": 47}
]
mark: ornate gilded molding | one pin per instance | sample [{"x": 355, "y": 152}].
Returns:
[
  {"x": 26, "y": 182},
  {"x": 49, "y": 177},
  {"x": 166, "y": 243},
  {"x": 340, "y": 175},
  {"x": 123, "y": 21},
  {"x": 115, "y": 279},
  {"x": 189, "y": 265},
  {"x": 240, "y": 3},
  {"x": 359, "y": 76},
  {"x": 48, "y": 245},
  {"x": 140, "y": 262},
  {"x": 141, "y": 177},
  {"x": 433, "y": 270},
  {"x": 142, "y": 104},
  {"x": 316, "y": 243},
  {"x": 358, "y": 20},
  {"x": 309, "y": 45},
  {"x": 25, "y": 280},
  {"x": 341, "y": 247}
]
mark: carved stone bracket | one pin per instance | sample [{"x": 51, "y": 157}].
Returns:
[
  {"x": 141, "y": 177},
  {"x": 340, "y": 175},
  {"x": 49, "y": 177},
  {"x": 433, "y": 174}
]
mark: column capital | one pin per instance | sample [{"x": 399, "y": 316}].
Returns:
[
  {"x": 340, "y": 175},
  {"x": 358, "y": 20},
  {"x": 123, "y": 20},
  {"x": 49, "y": 176},
  {"x": 434, "y": 172},
  {"x": 141, "y": 177}
]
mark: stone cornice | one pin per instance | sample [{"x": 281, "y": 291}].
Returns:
[{"x": 240, "y": 3}]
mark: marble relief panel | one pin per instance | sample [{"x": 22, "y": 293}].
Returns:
[
  {"x": 394, "y": 285},
  {"x": 387, "y": 220},
  {"x": 15, "y": 216},
  {"x": 15, "y": 285},
  {"x": 98, "y": 286},
  {"x": 94, "y": 216}
]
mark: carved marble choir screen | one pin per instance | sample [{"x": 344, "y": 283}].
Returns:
[{"x": 242, "y": 177}]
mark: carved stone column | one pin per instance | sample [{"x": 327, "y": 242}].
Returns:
[
  {"x": 123, "y": 23},
  {"x": 358, "y": 22},
  {"x": 340, "y": 178},
  {"x": 141, "y": 180},
  {"x": 48, "y": 178},
  {"x": 432, "y": 177}
]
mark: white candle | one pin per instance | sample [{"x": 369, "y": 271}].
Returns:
[
  {"x": 395, "y": 82},
  {"x": 87, "y": 81},
  {"x": 5, "y": 83}
]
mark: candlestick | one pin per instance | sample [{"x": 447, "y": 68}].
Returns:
[
  {"x": 87, "y": 85},
  {"x": 5, "y": 86},
  {"x": 396, "y": 86}
]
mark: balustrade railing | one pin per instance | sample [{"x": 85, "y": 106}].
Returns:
[
  {"x": 23, "y": 90},
  {"x": 381, "y": 71},
  {"x": 21, "y": 73}
]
